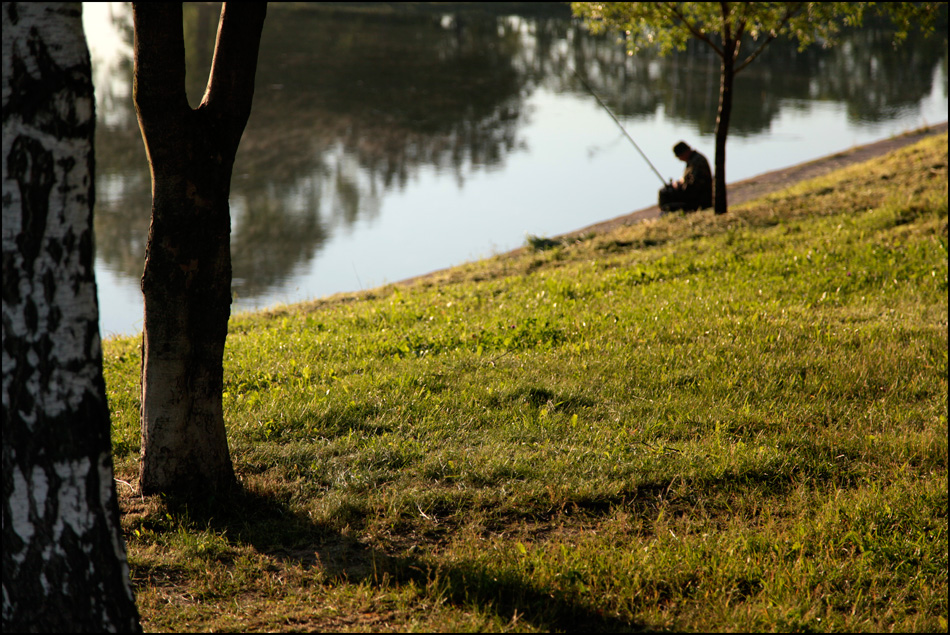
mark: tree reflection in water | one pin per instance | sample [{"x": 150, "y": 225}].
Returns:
[{"x": 352, "y": 104}]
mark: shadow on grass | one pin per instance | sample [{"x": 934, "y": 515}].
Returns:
[
  {"x": 538, "y": 396},
  {"x": 273, "y": 529},
  {"x": 269, "y": 524}
]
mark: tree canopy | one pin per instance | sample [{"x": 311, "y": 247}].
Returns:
[{"x": 670, "y": 25}]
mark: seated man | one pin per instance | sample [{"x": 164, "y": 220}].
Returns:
[{"x": 694, "y": 190}]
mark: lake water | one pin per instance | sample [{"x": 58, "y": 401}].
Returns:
[{"x": 388, "y": 145}]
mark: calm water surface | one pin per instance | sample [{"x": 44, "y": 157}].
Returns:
[{"x": 383, "y": 146}]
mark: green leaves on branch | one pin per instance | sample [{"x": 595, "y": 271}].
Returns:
[{"x": 670, "y": 25}]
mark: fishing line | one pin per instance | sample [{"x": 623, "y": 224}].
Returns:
[
  {"x": 617, "y": 121},
  {"x": 597, "y": 149}
]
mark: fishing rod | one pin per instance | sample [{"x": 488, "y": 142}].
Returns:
[{"x": 617, "y": 121}]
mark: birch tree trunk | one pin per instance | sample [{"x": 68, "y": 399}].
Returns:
[
  {"x": 64, "y": 562},
  {"x": 187, "y": 278}
]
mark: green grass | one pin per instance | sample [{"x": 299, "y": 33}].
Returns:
[{"x": 696, "y": 423}]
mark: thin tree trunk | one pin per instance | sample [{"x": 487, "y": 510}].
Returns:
[
  {"x": 64, "y": 562},
  {"x": 727, "y": 78},
  {"x": 187, "y": 278}
]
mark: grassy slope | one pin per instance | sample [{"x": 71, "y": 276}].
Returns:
[{"x": 722, "y": 423}]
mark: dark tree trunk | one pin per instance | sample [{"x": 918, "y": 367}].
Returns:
[
  {"x": 727, "y": 75},
  {"x": 726, "y": 80},
  {"x": 187, "y": 278},
  {"x": 64, "y": 562}
]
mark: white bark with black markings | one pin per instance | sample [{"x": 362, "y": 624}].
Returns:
[{"x": 64, "y": 561}]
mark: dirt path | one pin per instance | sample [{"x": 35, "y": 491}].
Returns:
[{"x": 773, "y": 181}]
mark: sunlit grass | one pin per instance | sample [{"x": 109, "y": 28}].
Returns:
[{"x": 694, "y": 423}]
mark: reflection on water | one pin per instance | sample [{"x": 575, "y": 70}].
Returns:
[{"x": 387, "y": 144}]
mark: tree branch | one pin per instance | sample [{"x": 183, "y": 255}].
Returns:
[
  {"x": 158, "y": 87},
  {"x": 790, "y": 13},
  {"x": 230, "y": 88},
  {"x": 696, "y": 33},
  {"x": 740, "y": 31}
]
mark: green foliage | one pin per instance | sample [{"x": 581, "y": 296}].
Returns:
[
  {"x": 695, "y": 423},
  {"x": 670, "y": 25}
]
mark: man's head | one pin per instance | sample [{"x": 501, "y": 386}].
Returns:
[{"x": 682, "y": 150}]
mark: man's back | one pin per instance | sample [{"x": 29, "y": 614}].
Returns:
[
  {"x": 694, "y": 190},
  {"x": 698, "y": 181}
]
